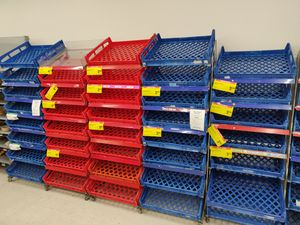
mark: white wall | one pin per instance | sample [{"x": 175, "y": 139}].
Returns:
[{"x": 239, "y": 24}]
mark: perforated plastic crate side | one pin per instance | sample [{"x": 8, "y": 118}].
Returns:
[
  {"x": 81, "y": 188},
  {"x": 294, "y": 196},
  {"x": 27, "y": 156},
  {"x": 295, "y": 172},
  {"x": 57, "y": 115},
  {"x": 28, "y": 143},
  {"x": 114, "y": 192}
]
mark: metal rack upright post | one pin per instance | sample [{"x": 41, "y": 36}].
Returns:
[
  {"x": 247, "y": 175},
  {"x": 175, "y": 100},
  {"x": 293, "y": 184},
  {"x": 22, "y": 94},
  {"x": 114, "y": 113},
  {"x": 64, "y": 108}
]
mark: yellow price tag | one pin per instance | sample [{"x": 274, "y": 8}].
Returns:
[
  {"x": 94, "y": 125},
  {"x": 94, "y": 88},
  {"x": 45, "y": 70},
  {"x": 152, "y": 131},
  {"x": 48, "y": 104},
  {"x": 94, "y": 70},
  {"x": 51, "y": 92},
  {"x": 151, "y": 91},
  {"x": 52, "y": 153},
  {"x": 216, "y": 136},
  {"x": 221, "y": 152},
  {"x": 221, "y": 109},
  {"x": 222, "y": 85}
]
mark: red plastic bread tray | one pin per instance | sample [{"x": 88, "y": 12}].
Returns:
[
  {"x": 66, "y": 181},
  {"x": 116, "y": 98},
  {"x": 112, "y": 55},
  {"x": 69, "y": 147},
  {"x": 127, "y": 118},
  {"x": 114, "y": 192},
  {"x": 68, "y": 130},
  {"x": 68, "y": 113},
  {"x": 117, "y": 136},
  {"x": 67, "y": 96},
  {"x": 115, "y": 153},
  {"x": 68, "y": 164},
  {"x": 117, "y": 77},
  {"x": 116, "y": 173},
  {"x": 64, "y": 78}
]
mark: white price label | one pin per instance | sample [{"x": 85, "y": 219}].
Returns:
[
  {"x": 298, "y": 202},
  {"x": 15, "y": 147},
  {"x": 36, "y": 107},
  {"x": 197, "y": 119},
  {"x": 12, "y": 116}
]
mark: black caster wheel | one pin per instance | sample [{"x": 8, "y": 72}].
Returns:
[
  {"x": 9, "y": 179},
  {"x": 200, "y": 223},
  {"x": 47, "y": 187},
  {"x": 86, "y": 197},
  {"x": 207, "y": 219},
  {"x": 139, "y": 209},
  {"x": 92, "y": 198}
]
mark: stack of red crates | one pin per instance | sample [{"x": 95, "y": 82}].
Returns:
[
  {"x": 66, "y": 125},
  {"x": 116, "y": 148}
]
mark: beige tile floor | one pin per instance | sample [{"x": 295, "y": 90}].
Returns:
[{"x": 26, "y": 203}]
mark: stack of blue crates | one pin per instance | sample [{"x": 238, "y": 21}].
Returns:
[
  {"x": 22, "y": 87},
  {"x": 293, "y": 192},
  {"x": 175, "y": 163},
  {"x": 249, "y": 187}
]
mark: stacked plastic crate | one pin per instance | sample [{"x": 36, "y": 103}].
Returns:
[
  {"x": 293, "y": 192},
  {"x": 22, "y": 93},
  {"x": 250, "y": 111},
  {"x": 113, "y": 92},
  {"x": 64, "y": 108},
  {"x": 175, "y": 102}
]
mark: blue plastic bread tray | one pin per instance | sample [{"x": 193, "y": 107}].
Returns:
[
  {"x": 189, "y": 99},
  {"x": 178, "y": 141},
  {"x": 179, "y": 51},
  {"x": 296, "y": 121},
  {"x": 30, "y": 56},
  {"x": 256, "y": 93},
  {"x": 251, "y": 164},
  {"x": 295, "y": 172},
  {"x": 25, "y": 140},
  {"x": 21, "y": 78},
  {"x": 26, "y": 125},
  {"x": 172, "y": 203},
  {"x": 250, "y": 195},
  {"x": 166, "y": 119},
  {"x": 26, "y": 171},
  {"x": 239, "y": 218},
  {"x": 293, "y": 218},
  {"x": 183, "y": 183},
  {"x": 254, "y": 141},
  {"x": 269, "y": 118},
  {"x": 295, "y": 146},
  {"x": 294, "y": 196},
  {"x": 256, "y": 64},
  {"x": 176, "y": 76},
  {"x": 28, "y": 156},
  {"x": 22, "y": 109},
  {"x": 177, "y": 161},
  {"x": 21, "y": 94}
]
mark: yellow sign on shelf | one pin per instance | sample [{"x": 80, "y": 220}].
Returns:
[
  {"x": 216, "y": 136},
  {"x": 45, "y": 70},
  {"x": 152, "y": 131},
  {"x": 51, "y": 92},
  {"x": 48, "y": 104},
  {"x": 52, "y": 153},
  {"x": 95, "y": 125},
  {"x": 221, "y": 109},
  {"x": 220, "y": 152},
  {"x": 223, "y": 85},
  {"x": 94, "y": 70},
  {"x": 94, "y": 88},
  {"x": 151, "y": 91}
]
